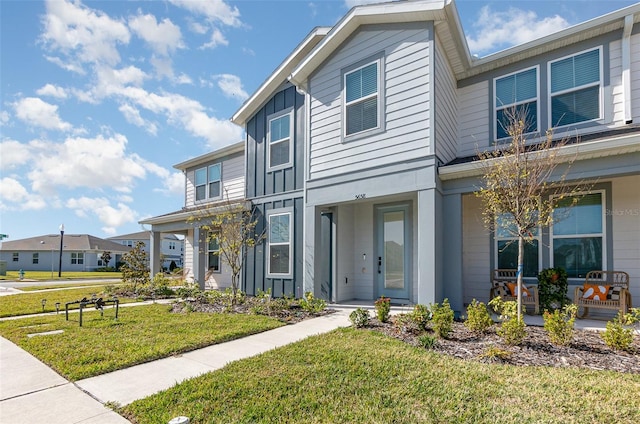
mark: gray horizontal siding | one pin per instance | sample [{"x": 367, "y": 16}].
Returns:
[
  {"x": 446, "y": 133},
  {"x": 473, "y": 118},
  {"x": 260, "y": 181},
  {"x": 407, "y": 100},
  {"x": 232, "y": 179}
]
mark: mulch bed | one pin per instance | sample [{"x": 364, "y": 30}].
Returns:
[{"x": 587, "y": 350}]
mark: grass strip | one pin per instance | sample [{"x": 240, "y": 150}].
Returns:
[
  {"x": 65, "y": 286},
  {"x": 141, "y": 334},
  {"x": 363, "y": 376},
  {"x": 31, "y": 303},
  {"x": 66, "y": 275}
]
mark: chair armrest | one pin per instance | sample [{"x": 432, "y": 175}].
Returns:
[{"x": 577, "y": 294}]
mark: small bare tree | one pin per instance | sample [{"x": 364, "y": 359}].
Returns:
[
  {"x": 135, "y": 270},
  {"x": 234, "y": 227},
  {"x": 519, "y": 189}
]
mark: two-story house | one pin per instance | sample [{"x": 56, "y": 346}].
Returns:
[
  {"x": 211, "y": 180},
  {"x": 363, "y": 161},
  {"x": 171, "y": 248}
]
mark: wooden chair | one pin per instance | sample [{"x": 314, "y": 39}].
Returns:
[
  {"x": 499, "y": 280},
  {"x": 618, "y": 296}
]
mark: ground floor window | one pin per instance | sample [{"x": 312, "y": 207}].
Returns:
[
  {"x": 213, "y": 252},
  {"x": 16, "y": 257},
  {"x": 279, "y": 236},
  {"x": 506, "y": 247},
  {"x": 35, "y": 258},
  {"x": 77, "y": 258},
  {"x": 577, "y": 234}
]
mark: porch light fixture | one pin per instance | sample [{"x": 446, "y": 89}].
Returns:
[{"x": 44, "y": 302}]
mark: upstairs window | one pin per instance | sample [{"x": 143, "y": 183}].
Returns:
[
  {"x": 280, "y": 150},
  {"x": 361, "y": 99},
  {"x": 208, "y": 182},
  {"x": 516, "y": 94},
  {"x": 575, "y": 88}
]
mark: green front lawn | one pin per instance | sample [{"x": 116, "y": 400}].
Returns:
[
  {"x": 67, "y": 285},
  {"x": 66, "y": 275},
  {"x": 141, "y": 334},
  {"x": 31, "y": 303},
  {"x": 363, "y": 376}
]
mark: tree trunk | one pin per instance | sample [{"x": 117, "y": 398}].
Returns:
[{"x": 520, "y": 272}]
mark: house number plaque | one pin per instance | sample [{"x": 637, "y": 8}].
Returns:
[{"x": 361, "y": 196}]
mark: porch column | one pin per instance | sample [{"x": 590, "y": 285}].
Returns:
[
  {"x": 154, "y": 252},
  {"x": 452, "y": 248},
  {"x": 429, "y": 254},
  {"x": 198, "y": 258},
  {"x": 308, "y": 272}
]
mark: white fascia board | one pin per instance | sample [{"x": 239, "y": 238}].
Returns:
[
  {"x": 380, "y": 13},
  {"x": 276, "y": 78},
  {"x": 623, "y": 144},
  {"x": 195, "y": 212},
  {"x": 582, "y": 31},
  {"x": 207, "y": 157}
]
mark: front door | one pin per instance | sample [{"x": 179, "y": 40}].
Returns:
[
  {"x": 326, "y": 256},
  {"x": 393, "y": 251}
]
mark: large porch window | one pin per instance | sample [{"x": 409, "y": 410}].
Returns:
[
  {"x": 213, "y": 252},
  {"x": 506, "y": 247},
  {"x": 577, "y": 234}
]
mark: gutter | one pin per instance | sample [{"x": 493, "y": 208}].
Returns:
[{"x": 629, "y": 143}]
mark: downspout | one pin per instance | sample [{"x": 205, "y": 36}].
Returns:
[
  {"x": 303, "y": 89},
  {"x": 626, "y": 68}
]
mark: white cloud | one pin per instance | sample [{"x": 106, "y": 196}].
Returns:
[
  {"x": 80, "y": 32},
  {"x": 198, "y": 28},
  {"x": 183, "y": 79},
  {"x": 164, "y": 37},
  {"x": 111, "y": 217},
  {"x": 68, "y": 64},
  {"x": 52, "y": 91},
  {"x": 213, "y": 10},
  {"x": 231, "y": 86},
  {"x": 248, "y": 51},
  {"x": 217, "y": 39},
  {"x": 132, "y": 115},
  {"x": 498, "y": 30},
  {"x": 92, "y": 163},
  {"x": 163, "y": 67},
  {"x": 13, "y": 154},
  {"x": 35, "y": 112},
  {"x": 4, "y": 117},
  {"x": 13, "y": 196}
]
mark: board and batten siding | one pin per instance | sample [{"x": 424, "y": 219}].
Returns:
[
  {"x": 232, "y": 179},
  {"x": 446, "y": 108},
  {"x": 625, "y": 214},
  {"x": 473, "y": 118},
  {"x": 254, "y": 272},
  {"x": 260, "y": 181},
  {"x": 476, "y": 260},
  {"x": 407, "y": 102}
]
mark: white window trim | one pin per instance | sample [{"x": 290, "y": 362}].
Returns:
[
  {"x": 537, "y": 100},
  {"x": 273, "y": 117},
  {"x": 552, "y": 237},
  {"x": 599, "y": 83},
  {"x": 378, "y": 63},
  {"x": 207, "y": 194},
  {"x": 35, "y": 259},
  {"x": 279, "y": 212},
  {"x": 79, "y": 256},
  {"x": 15, "y": 257}
]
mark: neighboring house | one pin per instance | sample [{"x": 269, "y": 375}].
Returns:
[
  {"x": 171, "y": 247},
  {"x": 361, "y": 152},
  {"x": 80, "y": 252},
  {"x": 211, "y": 180}
]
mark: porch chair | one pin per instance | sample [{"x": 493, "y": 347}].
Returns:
[
  {"x": 504, "y": 283},
  {"x": 604, "y": 290}
]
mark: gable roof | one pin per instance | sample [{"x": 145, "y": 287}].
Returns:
[
  {"x": 447, "y": 25},
  {"x": 142, "y": 235},
  {"x": 71, "y": 242},
  {"x": 208, "y": 157},
  {"x": 278, "y": 76}
]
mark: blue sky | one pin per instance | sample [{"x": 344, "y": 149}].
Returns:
[{"x": 99, "y": 99}]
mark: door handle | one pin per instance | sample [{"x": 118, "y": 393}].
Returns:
[{"x": 379, "y": 264}]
